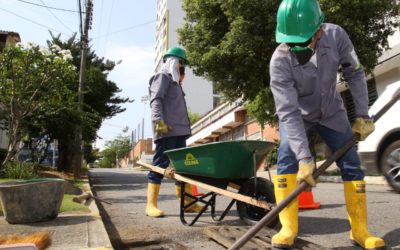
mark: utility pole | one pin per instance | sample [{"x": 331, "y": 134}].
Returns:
[{"x": 84, "y": 48}]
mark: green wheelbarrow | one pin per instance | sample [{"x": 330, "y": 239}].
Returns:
[{"x": 217, "y": 166}]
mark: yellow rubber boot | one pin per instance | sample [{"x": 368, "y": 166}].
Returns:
[
  {"x": 354, "y": 192},
  {"x": 283, "y": 186},
  {"x": 195, "y": 208},
  {"x": 152, "y": 195}
]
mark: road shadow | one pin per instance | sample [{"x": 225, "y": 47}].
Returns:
[
  {"x": 331, "y": 225},
  {"x": 392, "y": 238}
]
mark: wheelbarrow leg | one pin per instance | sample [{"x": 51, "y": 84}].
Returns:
[
  {"x": 195, "y": 199},
  {"x": 214, "y": 217}
]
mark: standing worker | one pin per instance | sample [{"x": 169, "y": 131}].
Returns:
[
  {"x": 171, "y": 126},
  {"x": 303, "y": 71}
]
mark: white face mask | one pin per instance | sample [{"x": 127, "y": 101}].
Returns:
[{"x": 170, "y": 67}]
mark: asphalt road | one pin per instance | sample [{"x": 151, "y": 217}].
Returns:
[{"x": 129, "y": 228}]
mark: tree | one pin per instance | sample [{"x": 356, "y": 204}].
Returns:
[
  {"x": 115, "y": 150},
  {"x": 100, "y": 100},
  {"x": 230, "y": 42},
  {"x": 193, "y": 117},
  {"x": 32, "y": 83}
]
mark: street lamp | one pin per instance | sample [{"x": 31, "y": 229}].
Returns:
[{"x": 144, "y": 100}]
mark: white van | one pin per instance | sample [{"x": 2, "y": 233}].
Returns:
[{"x": 380, "y": 152}]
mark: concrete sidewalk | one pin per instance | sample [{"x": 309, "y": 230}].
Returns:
[{"x": 67, "y": 231}]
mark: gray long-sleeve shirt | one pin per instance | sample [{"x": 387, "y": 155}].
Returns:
[
  {"x": 167, "y": 102},
  {"x": 306, "y": 95}
]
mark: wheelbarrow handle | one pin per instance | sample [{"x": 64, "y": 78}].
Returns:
[{"x": 302, "y": 186}]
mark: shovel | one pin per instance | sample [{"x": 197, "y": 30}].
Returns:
[{"x": 303, "y": 185}]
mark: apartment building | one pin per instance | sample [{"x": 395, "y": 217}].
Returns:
[{"x": 199, "y": 92}]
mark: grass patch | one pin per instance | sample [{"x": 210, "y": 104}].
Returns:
[
  {"x": 68, "y": 206},
  {"x": 78, "y": 183},
  {"x": 6, "y": 180}
]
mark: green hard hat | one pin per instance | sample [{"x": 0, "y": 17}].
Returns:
[
  {"x": 298, "y": 20},
  {"x": 176, "y": 51}
]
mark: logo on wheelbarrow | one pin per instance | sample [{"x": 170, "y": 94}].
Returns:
[{"x": 190, "y": 160}]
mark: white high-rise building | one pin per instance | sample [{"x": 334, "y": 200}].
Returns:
[{"x": 199, "y": 92}]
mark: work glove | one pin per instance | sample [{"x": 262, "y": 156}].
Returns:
[
  {"x": 363, "y": 127},
  {"x": 306, "y": 169},
  {"x": 162, "y": 127}
]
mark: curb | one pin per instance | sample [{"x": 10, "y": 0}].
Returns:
[{"x": 95, "y": 213}]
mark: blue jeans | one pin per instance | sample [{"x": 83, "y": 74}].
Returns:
[
  {"x": 160, "y": 159},
  {"x": 349, "y": 163}
]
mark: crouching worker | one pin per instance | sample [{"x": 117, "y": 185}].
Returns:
[
  {"x": 171, "y": 126},
  {"x": 303, "y": 71}
]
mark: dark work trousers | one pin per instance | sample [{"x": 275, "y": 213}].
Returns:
[
  {"x": 160, "y": 159},
  {"x": 349, "y": 163}
]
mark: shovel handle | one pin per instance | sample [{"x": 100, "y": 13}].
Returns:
[{"x": 302, "y": 186}]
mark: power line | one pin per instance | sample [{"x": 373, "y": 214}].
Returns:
[
  {"x": 58, "y": 19},
  {"x": 29, "y": 20},
  {"x": 54, "y": 8},
  {"x": 99, "y": 32},
  {"x": 109, "y": 23},
  {"x": 125, "y": 29},
  {"x": 113, "y": 125}
]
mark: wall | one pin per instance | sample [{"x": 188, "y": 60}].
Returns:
[
  {"x": 142, "y": 146},
  {"x": 198, "y": 91}
]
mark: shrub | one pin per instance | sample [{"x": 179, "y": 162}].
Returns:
[
  {"x": 19, "y": 170},
  {"x": 272, "y": 156},
  {"x": 3, "y": 154}
]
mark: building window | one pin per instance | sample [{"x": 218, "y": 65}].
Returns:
[
  {"x": 238, "y": 133},
  {"x": 255, "y": 136},
  {"x": 226, "y": 137}
]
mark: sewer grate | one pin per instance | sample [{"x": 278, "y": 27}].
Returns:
[
  {"x": 228, "y": 235},
  {"x": 154, "y": 245}
]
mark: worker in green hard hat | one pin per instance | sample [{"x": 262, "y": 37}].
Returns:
[
  {"x": 303, "y": 73},
  {"x": 171, "y": 126},
  {"x": 176, "y": 52}
]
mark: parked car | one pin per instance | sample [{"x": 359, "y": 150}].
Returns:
[{"x": 380, "y": 152}]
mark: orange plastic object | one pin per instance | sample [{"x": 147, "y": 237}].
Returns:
[{"x": 306, "y": 201}]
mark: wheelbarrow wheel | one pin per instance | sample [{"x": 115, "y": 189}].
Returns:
[{"x": 265, "y": 192}]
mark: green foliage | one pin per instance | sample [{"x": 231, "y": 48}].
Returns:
[
  {"x": 261, "y": 108},
  {"x": 107, "y": 158},
  {"x": 272, "y": 156},
  {"x": 3, "y": 154},
  {"x": 19, "y": 170},
  {"x": 68, "y": 206},
  {"x": 193, "y": 117},
  {"x": 115, "y": 149},
  {"x": 368, "y": 23},
  {"x": 89, "y": 153},
  {"x": 100, "y": 101},
  {"x": 230, "y": 42},
  {"x": 32, "y": 84}
]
